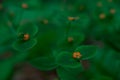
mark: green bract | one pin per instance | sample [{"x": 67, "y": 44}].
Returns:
[
  {"x": 86, "y": 51},
  {"x": 71, "y": 68},
  {"x": 47, "y": 39},
  {"x": 65, "y": 59},
  {"x": 68, "y": 68},
  {"x": 25, "y": 43},
  {"x": 44, "y": 63},
  {"x": 107, "y": 61},
  {"x": 70, "y": 41}
]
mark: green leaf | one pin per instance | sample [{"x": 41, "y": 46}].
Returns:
[
  {"x": 82, "y": 23},
  {"x": 65, "y": 59},
  {"x": 101, "y": 77},
  {"x": 86, "y": 51},
  {"x": 28, "y": 28},
  {"x": 23, "y": 46},
  {"x": 77, "y": 37},
  {"x": 69, "y": 73},
  {"x": 31, "y": 15},
  {"x": 110, "y": 62},
  {"x": 64, "y": 44},
  {"x": 45, "y": 45},
  {"x": 44, "y": 63}
]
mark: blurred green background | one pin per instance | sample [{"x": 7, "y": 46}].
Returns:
[{"x": 38, "y": 38}]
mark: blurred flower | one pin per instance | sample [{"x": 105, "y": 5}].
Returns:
[{"x": 25, "y": 37}]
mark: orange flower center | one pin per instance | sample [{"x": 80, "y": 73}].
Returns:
[
  {"x": 71, "y": 18},
  {"x": 102, "y": 16},
  {"x": 77, "y": 55},
  {"x": 24, "y": 5},
  {"x": 45, "y": 21},
  {"x": 26, "y": 37},
  {"x": 70, "y": 39},
  {"x": 112, "y": 11}
]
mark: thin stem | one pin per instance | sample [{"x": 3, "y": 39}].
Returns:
[
  {"x": 68, "y": 29},
  {"x": 21, "y": 16}
]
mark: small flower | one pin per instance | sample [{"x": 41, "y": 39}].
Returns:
[
  {"x": 70, "y": 39},
  {"x": 105, "y": 19},
  {"x": 71, "y": 18},
  {"x": 25, "y": 37},
  {"x": 77, "y": 55},
  {"x": 68, "y": 64},
  {"x": 30, "y": 4},
  {"x": 67, "y": 59},
  {"x": 24, "y": 5},
  {"x": 112, "y": 11},
  {"x": 45, "y": 21},
  {"x": 102, "y": 16}
]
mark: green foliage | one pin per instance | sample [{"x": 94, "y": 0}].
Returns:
[
  {"x": 22, "y": 45},
  {"x": 57, "y": 35},
  {"x": 64, "y": 62},
  {"x": 44, "y": 63}
]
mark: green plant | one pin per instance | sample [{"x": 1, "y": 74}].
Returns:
[{"x": 59, "y": 35}]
